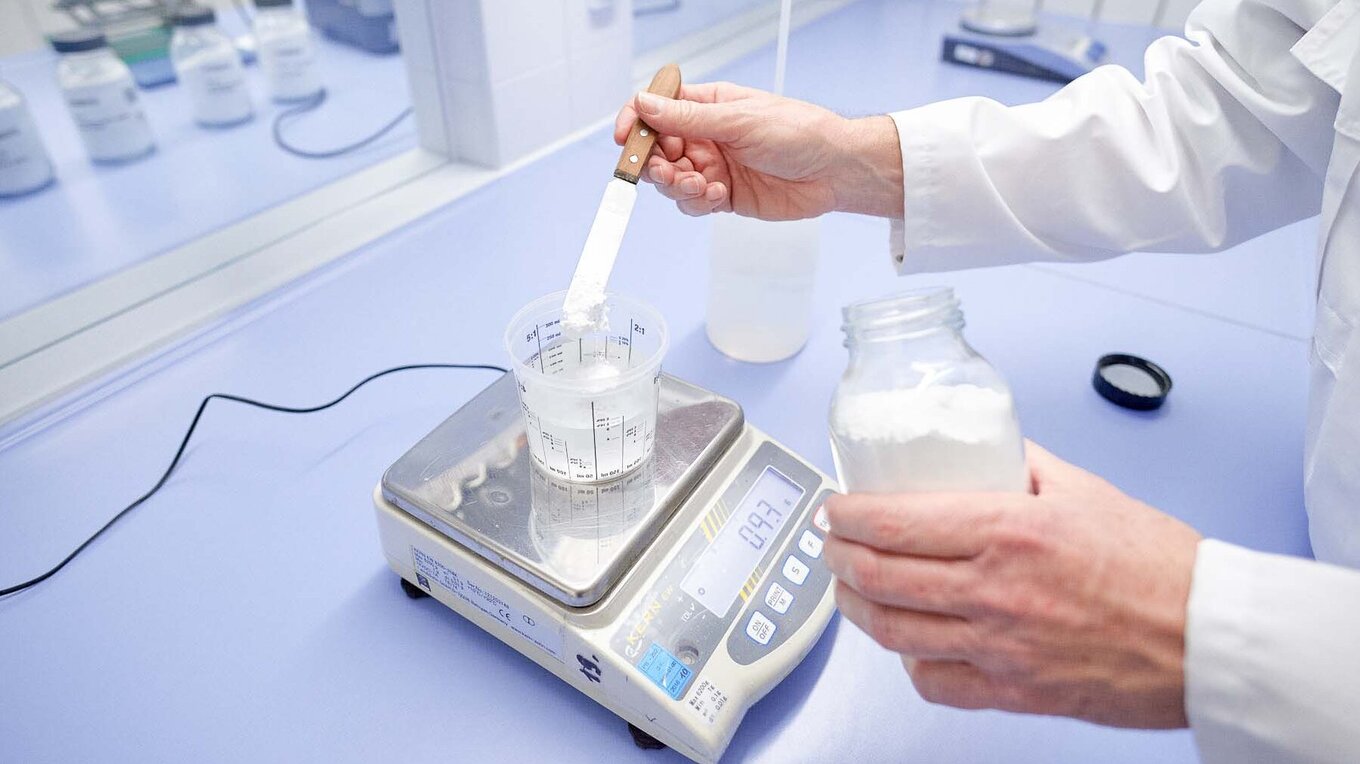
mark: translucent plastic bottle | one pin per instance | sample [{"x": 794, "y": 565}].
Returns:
[
  {"x": 287, "y": 53},
  {"x": 761, "y": 279},
  {"x": 918, "y": 409},
  {"x": 24, "y": 165},
  {"x": 1004, "y": 18},
  {"x": 102, "y": 97},
  {"x": 209, "y": 68}
]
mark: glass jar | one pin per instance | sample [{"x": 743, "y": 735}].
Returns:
[
  {"x": 209, "y": 68},
  {"x": 917, "y": 408},
  {"x": 287, "y": 54},
  {"x": 24, "y": 165},
  {"x": 102, "y": 97}
]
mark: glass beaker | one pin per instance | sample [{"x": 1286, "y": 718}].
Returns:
[
  {"x": 574, "y": 525},
  {"x": 590, "y": 401}
]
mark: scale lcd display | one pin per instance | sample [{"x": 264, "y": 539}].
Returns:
[{"x": 724, "y": 567}]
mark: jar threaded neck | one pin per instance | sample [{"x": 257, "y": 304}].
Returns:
[{"x": 902, "y": 315}]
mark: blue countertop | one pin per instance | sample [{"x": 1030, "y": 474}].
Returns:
[{"x": 246, "y": 612}]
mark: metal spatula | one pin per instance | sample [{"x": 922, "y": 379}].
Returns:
[{"x": 583, "y": 307}]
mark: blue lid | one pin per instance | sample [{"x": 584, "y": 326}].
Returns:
[
  {"x": 77, "y": 40},
  {"x": 193, "y": 15}
]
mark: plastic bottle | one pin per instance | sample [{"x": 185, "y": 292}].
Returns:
[
  {"x": 760, "y": 288},
  {"x": 102, "y": 97},
  {"x": 917, "y": 408},
  {"x": 287, "y": 54},
  {"x": 24, "y": 164},
  {"x": 209, "y": 68}
]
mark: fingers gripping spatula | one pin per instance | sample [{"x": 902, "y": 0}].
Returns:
[{"x": 584, "y": 306}]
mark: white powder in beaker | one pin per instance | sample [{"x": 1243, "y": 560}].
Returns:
[
  {"x": 583, "y": 311},
  {"x": 599, "y": 371},
  {"x": 939, "y": 438}
]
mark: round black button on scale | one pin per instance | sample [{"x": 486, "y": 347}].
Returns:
[{"x": 1132, "y": 382}]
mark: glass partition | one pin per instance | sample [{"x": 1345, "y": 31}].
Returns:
[
  {"x": 226, "y": 146},
  {"x": 659, "y": 23}
]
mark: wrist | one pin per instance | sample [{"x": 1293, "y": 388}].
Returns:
[{"x": 866, "y": 172}]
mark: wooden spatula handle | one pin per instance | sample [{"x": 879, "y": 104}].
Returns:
[{"x": 666, "y": 84}]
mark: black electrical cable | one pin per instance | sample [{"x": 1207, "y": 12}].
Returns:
[
  {"x": 183, "y": 444},
  {"x": 310, "y": 105}
]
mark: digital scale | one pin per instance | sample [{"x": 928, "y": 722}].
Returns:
[{"x": 675, "y": 596}]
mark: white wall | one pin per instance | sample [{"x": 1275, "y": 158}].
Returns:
[{"x": 20, "y": 29}]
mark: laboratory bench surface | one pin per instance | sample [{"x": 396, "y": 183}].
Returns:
[{"x": 246, "y": 612}]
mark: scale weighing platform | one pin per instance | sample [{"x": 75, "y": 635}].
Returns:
[{"x": 675, "y": 596}]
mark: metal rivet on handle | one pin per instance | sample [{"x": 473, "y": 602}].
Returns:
[
  {"x": 633, "y": 159},
  {"x": 643, "y": 132}
]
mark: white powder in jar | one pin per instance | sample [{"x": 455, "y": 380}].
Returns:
[{"x": 939, "y": 438}]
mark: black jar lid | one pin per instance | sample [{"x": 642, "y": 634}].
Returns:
[{"x": 1132, "y": 382}]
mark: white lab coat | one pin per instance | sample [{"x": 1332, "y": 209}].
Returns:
[{"x": 1251, "y": 123}]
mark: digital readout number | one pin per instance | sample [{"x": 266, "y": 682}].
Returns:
[{"x": 765, "y": 518}]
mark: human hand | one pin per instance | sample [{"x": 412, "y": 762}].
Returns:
[
  {"x": 1070, "y": 601},
  {"x": 726, "y": 148}
]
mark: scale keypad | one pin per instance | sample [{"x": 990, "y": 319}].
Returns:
[
  {"x": 819, "y": 520},
  {"x": 810, "y": 544},
  {"x": 778, "y": 598},
  {"x": 788, "y": 594},
  {"x": 760, "y": 628}
]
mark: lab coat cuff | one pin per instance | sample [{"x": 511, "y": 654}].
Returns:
[
  {"x": 952, "y": 215},
  {"x": 1218, "y": 674},
  {"x": 1270, "y": 660}
]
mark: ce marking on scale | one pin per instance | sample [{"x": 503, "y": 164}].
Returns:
[
  {"x": 504, "y": 614},
  {"x": 590, "y": 667}
]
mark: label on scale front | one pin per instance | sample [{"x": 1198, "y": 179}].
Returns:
[
  {"x": 707, "y": 701},
  {"x": 548, "y": 636},
  {"x": 665, "y": 670}
]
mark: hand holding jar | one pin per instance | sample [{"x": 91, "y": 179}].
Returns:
[{"x": 1070, "y": 601}]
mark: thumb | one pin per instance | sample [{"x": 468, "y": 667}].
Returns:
[{"x": 689, "y": 119}]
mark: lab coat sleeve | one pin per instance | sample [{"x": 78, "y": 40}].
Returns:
[
  {"x": 1226, "y": 138},
  {"x": 1272, "y": 658}
]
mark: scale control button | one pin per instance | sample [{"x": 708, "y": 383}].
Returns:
[
  {"x": 819, "y": 520},
  {"x": 760, "y": 628},
  {"x": 811, "y": 544},
  {"x": 795, "y": 570},
  {"x": 778, "y": 598}
]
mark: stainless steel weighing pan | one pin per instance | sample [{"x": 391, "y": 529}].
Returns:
[{"x": 472, "y": 480}]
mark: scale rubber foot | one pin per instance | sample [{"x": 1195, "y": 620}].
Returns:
[
  {"x": 413, "y": 591},
  {"x": 643, "y": 740}
]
